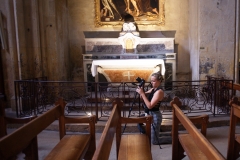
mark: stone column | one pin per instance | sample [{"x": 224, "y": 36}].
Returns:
[
  {"x": 54, "y": 38},
  {"x": 20, "y": 37},
  {"x": 194, "y": 36},
  {"x": 236, "y": 77},
  {"x": 9, "y": 55},
  {"x": 36, "y": 50}
]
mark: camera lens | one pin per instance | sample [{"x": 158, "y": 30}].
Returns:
[{"x": 138, "y": 79}]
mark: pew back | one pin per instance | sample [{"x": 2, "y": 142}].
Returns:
[
  {"x": 194, "y": 143},
  {"x": 105, "y": 144},
  {"x": 233, "y": 138},
  {"x": 25, "y": 137},
  {"x": 133, "y": 146}
]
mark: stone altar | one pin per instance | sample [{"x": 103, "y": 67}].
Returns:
[
  {"x": 105, "y": 46},
  {"x": 127, "y": 70}
]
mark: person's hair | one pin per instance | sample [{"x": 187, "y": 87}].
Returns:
[{"x": 158, "y": 76}]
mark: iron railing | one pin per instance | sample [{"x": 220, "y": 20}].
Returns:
[{"x": 37, "y": 96}]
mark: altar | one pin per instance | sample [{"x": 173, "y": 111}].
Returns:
[
  {"x": 127, "y": 70},
  {"x": 104, "y": 56}
]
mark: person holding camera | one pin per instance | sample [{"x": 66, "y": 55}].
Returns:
[{"x": 151, "y": 106}]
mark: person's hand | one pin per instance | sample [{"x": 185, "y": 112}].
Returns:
[{"x": 140, "y": 90}]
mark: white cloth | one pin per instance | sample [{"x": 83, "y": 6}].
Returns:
[{"x": 127, "y": 63}]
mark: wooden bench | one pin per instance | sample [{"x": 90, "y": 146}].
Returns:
[
  {"x": 197, "y": 120},
  {"x": 193, "y": 143},
  {"x": 233, "y": 138},
  {"x": 77, "y": 146},
  {"x": 128, "y": 146},
  {"x": 6, "y": 120}
]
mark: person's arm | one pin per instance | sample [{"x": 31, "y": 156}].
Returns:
[
  {"x": 149, "y": 91},
  {"x": 158, "y": 96}
]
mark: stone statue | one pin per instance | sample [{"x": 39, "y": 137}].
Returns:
[{"x": 129, "y": 36}]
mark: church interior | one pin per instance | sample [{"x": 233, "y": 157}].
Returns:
[
  {"x": 47, "y": 38},
  {"x": 109, "y": 43}
]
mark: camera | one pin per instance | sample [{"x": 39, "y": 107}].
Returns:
[{"x": 140, "y": 81}]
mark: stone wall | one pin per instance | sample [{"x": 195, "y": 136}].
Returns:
[
  {"x": 9, "y": 56},
  {"x": 45, "y": 38},
  {"x": 37, "y": 39},
  {"x": 217, "y": 38}
]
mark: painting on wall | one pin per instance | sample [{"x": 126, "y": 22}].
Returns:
[{"x": 145, "y": 12}]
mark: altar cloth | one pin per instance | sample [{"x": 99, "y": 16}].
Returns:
[{"x": 127, "y": 63}]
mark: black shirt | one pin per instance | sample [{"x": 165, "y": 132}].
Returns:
[{"x": 150, "y": 96}]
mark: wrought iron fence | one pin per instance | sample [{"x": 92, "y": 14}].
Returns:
[{"x": 37, "y": 96}]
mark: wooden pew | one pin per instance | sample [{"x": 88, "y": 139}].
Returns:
[
  {"x": 233, "y": 138},
  {"x": 5, "y": 120},
  {"x": 201, "y": 119},
  {"x": 72, "y": 147},
  {"x": 128, "y": 146},
  {"x": 193, "y": 143}
]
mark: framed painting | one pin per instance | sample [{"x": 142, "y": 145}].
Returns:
[{"x": 145, "y": 12}]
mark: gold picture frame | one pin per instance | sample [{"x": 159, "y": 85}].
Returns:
[{"x": 111, "y": 12}]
